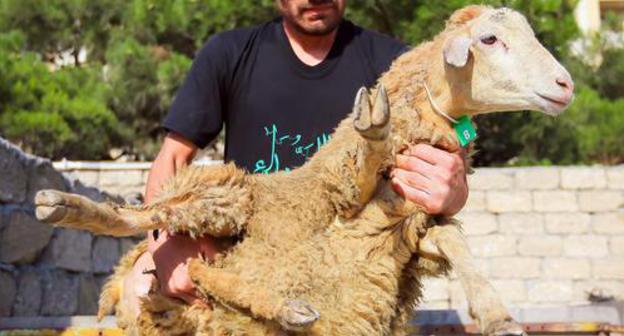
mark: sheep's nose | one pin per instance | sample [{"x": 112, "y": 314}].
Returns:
[{"x": 566, "y": 84}]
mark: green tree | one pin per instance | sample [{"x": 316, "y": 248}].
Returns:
[
  {"x": 138, "y": 52},
  {"x": 56, "y": 114}
]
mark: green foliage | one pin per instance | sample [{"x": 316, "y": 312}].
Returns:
[
  {"x": 56, "y": 114},
  {"x": 140, "y": 50},
  {"x": 599, "y": 125}
]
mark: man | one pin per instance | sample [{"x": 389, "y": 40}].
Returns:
[{"x": 280, "y": 88}]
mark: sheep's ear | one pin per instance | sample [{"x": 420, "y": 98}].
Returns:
[
  {"x": 457, "y": 51},
  {"x": 468, "y": 13}
]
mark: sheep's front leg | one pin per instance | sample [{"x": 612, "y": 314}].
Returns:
[
  {"x": 373, "y": 124},
  {"x": 231, "y": 290},
  {"x": 485, "y": 306}
]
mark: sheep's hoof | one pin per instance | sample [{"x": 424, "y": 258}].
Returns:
[
  {"x": 51, "y": 206},
  {"x": 297, "y": 315},
  {"x": 504, "y": 328},
  {"x": 372, "y": 122}
]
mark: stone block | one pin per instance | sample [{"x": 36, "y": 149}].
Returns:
[
  {"x": 13, "y": 177},
  {"x": 42, "y": 175},
  {"x": 435, "y": 289},
  {"x": 89, "y": 178},
  {"x": 508, "y": 201},
  {"x": 490, "y": 179},
  {"x": 122, "y": 191},
  {"x": 121, "y": 178},
  {"x": 434, "y": 305},
  {"x": 515, "y": 268},
  {"x": 566, "y": 268},
  {"x": 615, "y": 177},
  {"x": 60, "y": 294},
  {"x": 549, "y": 291},
  {"x": 610, "y": 269},
  {"x": 70, "y": 250},
  {"x": 567, "y": 223},
  {"x": 583, "y": 178},
  {"x": 537, "y": 178},
  {"x": 555, "y": 201},
  {"x": 585, "y": 246},
  {"x": 29, "y": 293},
  {"x": 93, "y": 193},
  {"x": 23, "y": 238},
  {"x": 475, "y": 201},
  {"x": 600, "y": 289},
  {"x": 511, "y": 291},
  {"x": 8, "y": 291},
  {"x": 457, "y": 295},
  {"x": 617, "y": 245},
  {"x": 88, "y": 295},
  {"x": 105, "y": 254},
  {"x": 601, "y": 200},
  {"x": 478, "y": 223},
  {"x": 125, "y": 245},
  {"x": 492, "y": 245},
  {"x": 540, "y": 246},
  {"x": 608, "y": 223},
  {"x": 521, "y": 223}
]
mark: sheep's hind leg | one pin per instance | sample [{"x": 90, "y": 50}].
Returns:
[
  {"x": 231, "y": 290},
  {"x": 373, "y": 124},
  {"x": 79, "y": 212},
  {"x": 485, "y": 306},
  {"x": 213, "y": 200}
]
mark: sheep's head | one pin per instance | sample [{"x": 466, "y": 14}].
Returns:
[{"x": 495, "y": 63}]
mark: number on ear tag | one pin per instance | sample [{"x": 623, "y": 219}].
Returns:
[{"x": 465, "y": 131}]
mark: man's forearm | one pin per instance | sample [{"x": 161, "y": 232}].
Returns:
[{"x": 175, "y": 153}]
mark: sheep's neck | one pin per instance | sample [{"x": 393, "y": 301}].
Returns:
[
  {"x": 427, "y": 125},
  {"x": 413, "y": 111}
]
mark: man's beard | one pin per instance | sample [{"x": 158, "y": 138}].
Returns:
[
  {"x": 295, "y": 17},
  {"x": 316, "y": 31}
]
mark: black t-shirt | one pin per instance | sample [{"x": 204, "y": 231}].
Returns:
[{"x": 277, "y": 110}]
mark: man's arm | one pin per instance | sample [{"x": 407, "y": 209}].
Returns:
[
  {"x": 170, "y": 252},
  {"x": 432, "y": 178},
  {"x": 176, "y": 152}
]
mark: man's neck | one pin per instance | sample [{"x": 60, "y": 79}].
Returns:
[{"x": 310, "y": 49}]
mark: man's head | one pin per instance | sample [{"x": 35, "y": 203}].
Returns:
[{"x": 313, "y": 17}]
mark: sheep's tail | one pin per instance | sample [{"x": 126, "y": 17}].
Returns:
[{"x": 112, "y": 291}]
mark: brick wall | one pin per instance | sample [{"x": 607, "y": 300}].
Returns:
[{"x": 544, "y": 236}]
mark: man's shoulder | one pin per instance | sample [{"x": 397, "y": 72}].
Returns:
[
  {"x": 376, "y": 40},
  {"x": 237, "y": 39},
  {"x": 378, "y": 49}
]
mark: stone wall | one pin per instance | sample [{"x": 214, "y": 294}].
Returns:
[
  {"x": 544, "y": 236},
  {"x": 44, "y": 270}
]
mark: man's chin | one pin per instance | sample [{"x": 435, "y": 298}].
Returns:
[{"x": 318, "y": 28}]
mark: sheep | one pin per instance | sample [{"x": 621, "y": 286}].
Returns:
[{"x": 329, "y": 248}]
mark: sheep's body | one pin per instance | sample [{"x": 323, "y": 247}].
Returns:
[{"x": 332, "y": 233}]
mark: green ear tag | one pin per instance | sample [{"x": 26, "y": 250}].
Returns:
[{"x": 465, "y": 131}]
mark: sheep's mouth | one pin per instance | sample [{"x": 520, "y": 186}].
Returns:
[
  {"x": 554, "y": 105},
  {"x": 557, "y": 102}
]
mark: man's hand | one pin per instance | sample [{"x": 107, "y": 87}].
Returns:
[
  {"x": 432, "y": 178},
  {"x": 170, "y": 253}
]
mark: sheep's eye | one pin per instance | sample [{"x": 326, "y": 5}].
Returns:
[{"x": 489, "y": 40}]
